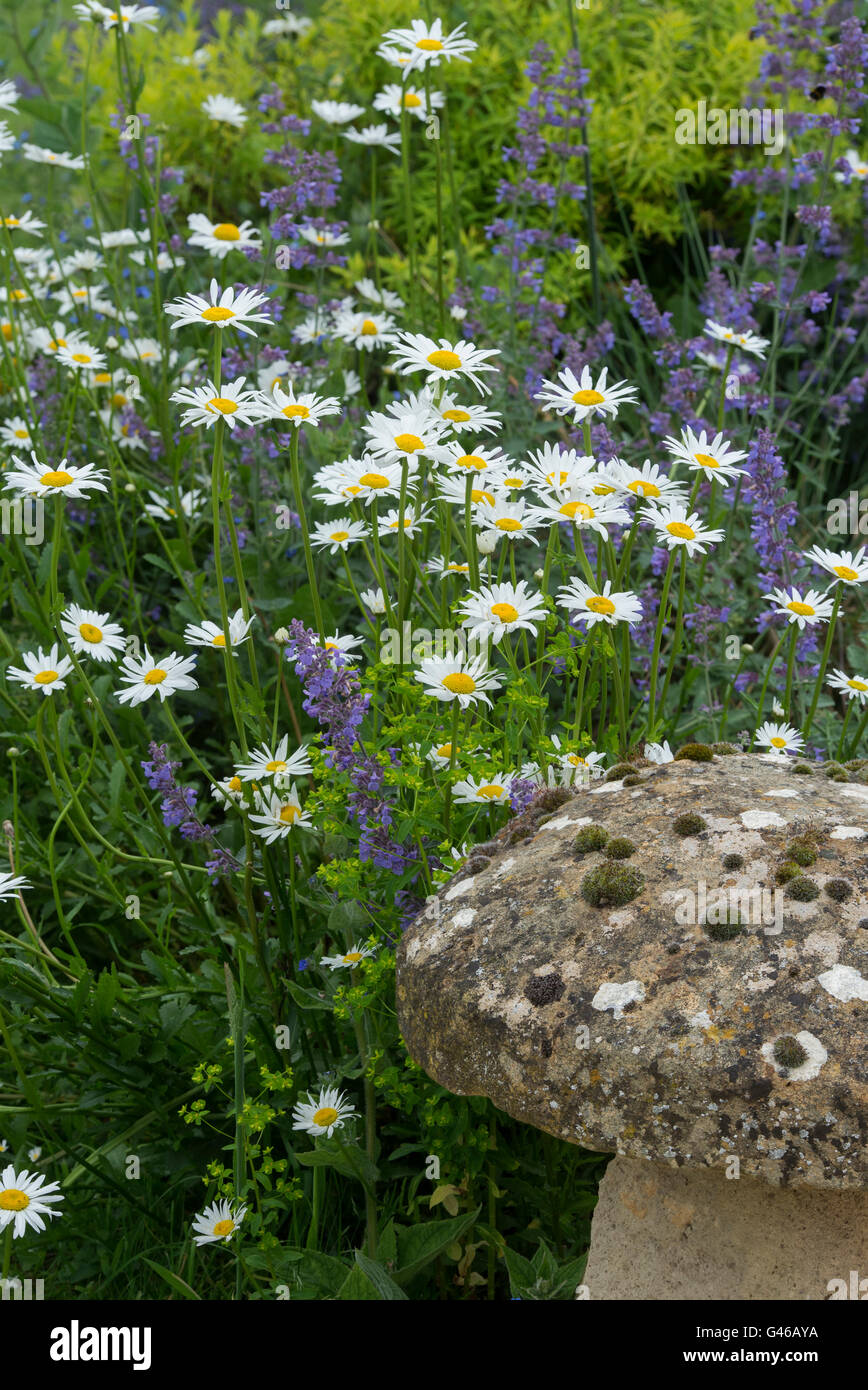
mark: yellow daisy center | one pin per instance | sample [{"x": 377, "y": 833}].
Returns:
[
  {"x": 444, "y": 751},
  {"x": 56, "y": 477},
  {"x": 289, "y": 813},
  {"x": 574, "y": 509},
  {"x": 575, "y": 760},
  {"x": 458, "y": 416},
  {"x": 118, "y": 400},
  {"x": 445, "y": 360},
  {"x": 429, "y": 45},
  {"x": 778, "y": 742},
  {"x": 458, "y": 568},
  {"x": 508, "y": 523},
  {"x": 13, "y": 1199},
  {"x": 642, "y": 485},
  {"x": 411, "y": 99},
  {"x": 227, "y": 231},
  {"x": 21, "y": 434},
  {"x": 156, "y": 676},
  {"x": 374, "y": 480},
  {"x": 276, "y": 765},
  {"x": 478, "y": 494},
  {"x": 221, "y": 405},
  {"x": 12, "y": 221},
  {"x": 409, "y": 443},
  {"x": 45, "y": 677},
  {"x": 471, "y": 461},
  {"x": 18, "y": 294},
  {"x": 218, "y": 314},
  {"x": 602, "y": 490},
  {"x": 681, "y": 530},
  {"x": 219, "y": 640},
  {"x": 296, "y": 412},
  {"x": 513, "y": 482},
  {"x": 235, "y": 784},
  {"x": 7, "y": 331},
  {"x": 588, "y": 398},
  {"x": 490, "y": 792},
  {"x": 505, "y": 611},
  {"x": 325, "y": 1116},
  {"x": 855, "y": 684},
  {"x": 845, "y": 572},
  {"x": 351, "y": 957},
  {"x": 459, "y": 683},
  {"x": 224, "y": 1228},
  {"x": 339, "y": 535},
  {"x": 90, "y": 633},
  {"x": 102, "y": 379},
  {"x": 598, "y": 604},
  {"x": 802, "y": 610},
  {"x": 81, "y": 357},
  {"x": 369, "y": 329},
  {"x": 706, "y": 460}
]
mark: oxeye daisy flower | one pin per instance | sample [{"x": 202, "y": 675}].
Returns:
[
  {"x": 345, "y": 645},
  {"x": 369, "y": 478},
  {"x": 780, "y": 738},
  {"x": 229, "y": 791},
  {"x": 493, "y": 792},
  {"x": 218, "y": 1222},
  {"x": 229, "y": 402},
  {"x": 277, "y": 373},
  {"x": 713, "y": 458},
  {"x": 16, "y": 432},
  {"x": 224, "y": 110},
  {"x": 305, "y": 408},
  {"x": 411, "y": 522},
  {"x": 856, "y": 168},
  {"x": 9, "y": 96},
  {"x": 444, "y": 361},
  {"x": 62, "y": 159},
  {"x": 10, "y": 886},
  {"x": 749, "y": 342},
  {"x": 803, "y": 609},
  {"x": 144, "y": 677},
  {"x": 91, "y": 633},
  {"x": 648, "y": 481},
  {"x": 475, "y": 458},
  {"x": 129, "y": 15},
  {"x": 276, "y": 817},
  {"x": 338, "y": 534},
  {"x": 583, "y": 396},
  {"x": 375, "y": 137},
  {"x": 659, "y": 752},
  {"x": 221, "y": 237},
  {"x": 277, "y": 763},
  {"x": 336, "y": 112},
  {"x": 321, "y": 236},
  {"x": 81, "y": 357},
  {"x": 394, "y": 99},
  {"x": 495, "y": 610},
  {"x": 594, "y": 607},
  {"x": 675, "y": 528},
  {"x": 374, "y": 600},
  {"x": 325, "y": 1114},
  {"x": 847, "y": 568},
  {"x": 143, "y": 350},
  {"x": 404, "y": 434},
  {"x": 34, "y": 1155},
  {"x": 447, "y": 568},
  {"x": 41, "y": 672},
  {"x": 66, "y": 480},
  {"x": 510, "y": 519},
  {"x": 464, "y": 678},
  {"x": 192, "y": 504},
  {"x": 584, "y": 510},
  {"x": 386, "y": 299},
  {"x": 427, "y": 45},
  {"x": 853, "y": 687},
  {"x": 25, "y": 1198},
  {"x": 350, "y": 960},
  {"x": 555, "y": 468},
  {"x": 208, "y": 634},
  {"x": 476, "y": 418},
  {"x": 365, "y": 330},
  {"x": 25, "y": 223},
  {"x": 288, "y": 24},
  {"x": 223, "y": 309}
]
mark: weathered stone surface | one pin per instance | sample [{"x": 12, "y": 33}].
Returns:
[
  {"x": 664, "y": 1233},
  {"x": 624, "y": 1029}
]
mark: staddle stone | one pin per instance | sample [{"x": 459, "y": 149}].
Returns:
[{"x": 674, "y": 970}]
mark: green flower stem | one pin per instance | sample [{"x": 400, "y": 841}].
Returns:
[
  {"x": 370, "y": 1127},
  {"x": 438, "y": 197},
  {"x": 316, "y": 1207},
  {"x": 791, "y": 666},
  {"x": 580, "y": 687},
  {"x": 762, "y": 695},
  {"x": 679, "y": 628},
  {"x": 469, "y": 538},
  {"x": 658, "y": 635},
  {"x": 408, "y": 209},
  {"x": 823, "y": 664},
  {"x": 863, "y": 722},
  {"x": 217, "y": 484},
  {"x": 308, "y": 553},
  {"x": 447, "y": 796}
]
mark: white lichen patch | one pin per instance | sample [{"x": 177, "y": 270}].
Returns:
[
  {"x": 848, "y": 832},
  {"x": 503, "y": 868},
  {"x": 622, "y": 918},
  {"x": 762, "y": 820},
  {"x": 844, "y": 983},
  {"x": 701, "y": 1020},
  {"x": 817, "y": 1056},
  {"x": 561, "y": 822},
  {"x": 459, "y": 889},
  {"x": 857, "y": 793},
  {"x": 463, "y": 918},
  {"x": 763, "y": 978},
  {"x": 825, "y": 944},
  {"x": 617, "y": 996},
  {"x": 607, "y": 787},
  {"x": 781, "y": 791}
]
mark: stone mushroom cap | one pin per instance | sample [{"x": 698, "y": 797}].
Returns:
[{"x": 624, "y": 1029}]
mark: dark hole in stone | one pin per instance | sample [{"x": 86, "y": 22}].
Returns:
[{"x": 544, "y": 989}]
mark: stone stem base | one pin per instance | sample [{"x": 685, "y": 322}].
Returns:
[{"x": 681, "y": 1233}]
